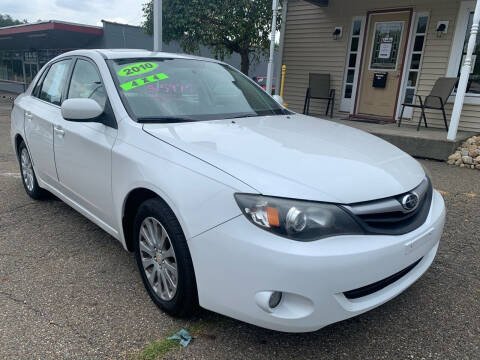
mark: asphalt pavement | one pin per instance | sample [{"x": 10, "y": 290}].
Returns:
[{"x": 70, "y": 291}]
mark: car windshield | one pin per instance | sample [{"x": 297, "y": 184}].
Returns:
[{"x": 173, "y": 90}]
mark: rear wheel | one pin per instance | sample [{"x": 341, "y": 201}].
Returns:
[
  {"x": 163, "y": 259},
  {"x": 28, "y": 174}
]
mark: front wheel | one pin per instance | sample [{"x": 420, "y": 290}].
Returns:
[{"x": 164, "y": 260}]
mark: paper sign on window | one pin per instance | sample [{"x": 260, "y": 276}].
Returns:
[{"x": 385, "y": 51}]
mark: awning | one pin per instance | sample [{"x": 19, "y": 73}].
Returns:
[{"x": 47, "y": 35}]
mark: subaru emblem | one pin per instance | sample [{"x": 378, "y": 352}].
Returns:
[{"x": 410, "y": 202}]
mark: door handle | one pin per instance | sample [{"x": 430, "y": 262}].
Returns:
[{"x": 59, "y": 130}]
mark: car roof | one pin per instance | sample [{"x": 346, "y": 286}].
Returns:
[{"x": 135, "y": 53}]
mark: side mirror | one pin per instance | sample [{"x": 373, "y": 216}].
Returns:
[
  {"x": 278, "y": 99},
  {"x": 81, "y": 110}
]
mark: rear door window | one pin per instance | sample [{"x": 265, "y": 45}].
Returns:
[{"x": 54, "y": 82}]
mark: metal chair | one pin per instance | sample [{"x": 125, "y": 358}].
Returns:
[
  {"x": 436, "y": 100},
  {"x": 319, "y": 88}
]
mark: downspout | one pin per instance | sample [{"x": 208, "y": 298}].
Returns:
[
  {"x": 278, "y": 71},
  {"x": 464, "y": 75}
]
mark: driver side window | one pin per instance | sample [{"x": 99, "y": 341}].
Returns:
[{"x": 86, "y": 83}]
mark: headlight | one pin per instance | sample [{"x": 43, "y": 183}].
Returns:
[{"x": 297, "y": 219}]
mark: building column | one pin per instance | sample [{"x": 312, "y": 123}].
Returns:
[
  {"x": 157, "y": 25},
  {"x": 272, "y": 47},
  {"x": 464, "y": 75},
  {"x": 278, "y": 71}
]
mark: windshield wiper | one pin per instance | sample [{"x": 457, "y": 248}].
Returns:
[
  {"x": 163, "y": 119},
  {"x": 243, "y": 116},
  {"x": 262, "y": 113}
]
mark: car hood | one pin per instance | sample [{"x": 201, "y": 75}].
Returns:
[{"x": 298, "y": 156}]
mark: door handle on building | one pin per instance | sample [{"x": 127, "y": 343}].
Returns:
[{"x": 58, "y": 130}]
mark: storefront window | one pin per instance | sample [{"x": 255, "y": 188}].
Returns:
[
  {"x": 22, "y": 66},
  {"x": 11, "y": 68},
  {"x": 473, "y": 85},
  {"x": 30, "y": 72}
]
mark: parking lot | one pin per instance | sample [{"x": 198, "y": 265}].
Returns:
[{"x": 69, "y": 291}]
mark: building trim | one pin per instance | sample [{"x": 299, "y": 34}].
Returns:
[
  {"x": 120, "y": 24},
  {"x": 51, "y": 25}
]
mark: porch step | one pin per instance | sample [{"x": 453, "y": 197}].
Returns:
[
  {"x": 428, "y": 143},
  {"x": 423, "y": 147}
]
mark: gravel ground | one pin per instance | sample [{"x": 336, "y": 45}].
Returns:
[{"x": 69, "y": 291}]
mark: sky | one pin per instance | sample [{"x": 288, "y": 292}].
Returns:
[{"x": 79, "y": 11}]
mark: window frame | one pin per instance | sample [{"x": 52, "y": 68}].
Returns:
[
  {"x": 456, "y": 52},
  {"x": 346, "y": 104},
  {"x": 44, "y": 75},
  {"x": 408, "y": 112},
  {"x": 8, "y": 57},
  {"x": 404, "y": 24}
]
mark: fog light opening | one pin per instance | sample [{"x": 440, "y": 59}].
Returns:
[{"x": 275, "y": 299}]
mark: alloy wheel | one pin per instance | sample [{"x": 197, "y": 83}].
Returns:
[
  {"x": 158, "y": 258},
  {"x": 27, "y": 169}
]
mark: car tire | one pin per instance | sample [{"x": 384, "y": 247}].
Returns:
[
  {"x": 156, "y": 259},
  {"x": 27, "y": 173}
]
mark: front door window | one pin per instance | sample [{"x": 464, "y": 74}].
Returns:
[
  {"x": 386, "y": 43},
  {"x": 52, "y": 86}
]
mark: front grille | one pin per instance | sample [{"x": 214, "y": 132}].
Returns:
[
  {"x": 379, "y": 285},
  {"x": 388, "y": 217}
]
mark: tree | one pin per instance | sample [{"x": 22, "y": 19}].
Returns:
[
  {"x": 6, "y": 20},
  {"x": 224, "y": 26}
]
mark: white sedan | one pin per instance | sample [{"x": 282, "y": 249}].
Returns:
[{"x": 228, "y": 200}]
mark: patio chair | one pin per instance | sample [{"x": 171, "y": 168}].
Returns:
[
  {"x": 436, "y": 100},
  {"x": 319, "y": 88}
]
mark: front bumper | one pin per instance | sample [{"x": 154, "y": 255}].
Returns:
[{"x": 237, "y": 263}]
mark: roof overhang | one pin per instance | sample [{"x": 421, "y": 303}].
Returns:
[
  {"x": 321, "y": 3},
  {"x": 48, "y": 35}
]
